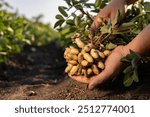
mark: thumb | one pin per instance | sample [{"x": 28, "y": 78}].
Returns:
[{"x": 99, "y": 79}]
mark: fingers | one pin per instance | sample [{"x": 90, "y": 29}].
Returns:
[
  {"x": 99, "y": 79},
  {"x": 81, "y": 79},
  {"x": 104, "y": 14},
  {"x": 112, "y": 16}
]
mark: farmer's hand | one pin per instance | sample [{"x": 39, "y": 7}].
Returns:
[
  {"x": 109, "y": 12},
  {"x": 113, "y": 66}
]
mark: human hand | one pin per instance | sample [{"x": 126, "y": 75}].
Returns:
[
  {"x": 109, "y": 12},
  {"x": 113, "y": 66}
]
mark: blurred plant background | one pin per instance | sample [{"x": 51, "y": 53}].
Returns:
[{"x": 17, "y": 31}]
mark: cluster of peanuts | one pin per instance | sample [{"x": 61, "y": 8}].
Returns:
[{"x": 85, "y": 59}]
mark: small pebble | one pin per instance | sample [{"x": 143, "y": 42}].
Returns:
[{"x": 32, "y": 93}]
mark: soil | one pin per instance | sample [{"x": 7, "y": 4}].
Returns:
[{"x": 38, "y": 73}]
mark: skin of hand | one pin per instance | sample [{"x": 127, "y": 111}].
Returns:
[
  {"x": 109, "y": 12},
  {"x": 112, "y": 67}
]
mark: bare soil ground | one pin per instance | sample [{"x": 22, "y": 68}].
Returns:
[{"x": 38, "y": 73}]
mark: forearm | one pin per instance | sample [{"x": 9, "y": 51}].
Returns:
[{"x": 141, "y": 43}]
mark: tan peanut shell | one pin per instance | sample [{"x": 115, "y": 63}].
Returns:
[
  {"x": 87, "y": 48},
  {"x": 101, "y": 54},
  {"x": 106, "y": 52},
  {"x": 88, "y": 58},
  {"x": 95, "y": 69},
  {"x": 74, "y": 70},
  {"x": 73, "y": 62},
  {"x": 75, "y": 57},
  {"x": 83, "y": 72},
  {"x": 84, "y": 63},
  {"x": 94, "y": 53},
  {"x": 89, "y": 71},
  {"x": 83, "y": 51},
  {"x": 69, "y": 56},
  {"x": 80, "y": 57},
  {"x": 74, "y": 50},
  {"x": 79, "y": 43},
  {"x": 100, "y": 65},
  {"x": 68, "y": 68}
]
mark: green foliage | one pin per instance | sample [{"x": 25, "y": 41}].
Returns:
[
  {"x": 16, "y": 31},
  {"x": 130, "y": 72}
]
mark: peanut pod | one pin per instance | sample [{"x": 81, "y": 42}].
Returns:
[
  {"x": 94, "y": 53},
  {"x": 89, "y": 71},
  {"x": 80, "y": 57},
  {"x": 87, "y": 47},
  {"x": 84, "y": 63},
  {"x": 68, "y": 68},
  {"x": 95, "y": 69},
  {"x": 73, "y": 62},
  {"x": 84, "y": 72},
  {"x": 79, "y": 43},
  {"x": 74, "y": 70},
  {"x": 106, "y": 52},
  {"x": 88, "y": 58},
  {"x": 100, "y": 65},
  {"x": 101, "y": 54},
  {"x": 74, "y": 50}
]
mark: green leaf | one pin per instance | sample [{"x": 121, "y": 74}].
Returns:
[
  {"x": 135, "y": 76},
  {"x": 135, "y": 55},
  {"x": 147, "y": 6},
  {"x": 65, "y": 30},
  {"x": 10, "y": 29},
  {"x": 73, "y": 14},
  {"x": 134, "y": 63},
  {"x": 76, "y": 20},
  {"x": 147, "y": 9},
  {"x": 62, "y": 11},
  {"x": 19, "y": 36},
  {"x": 128, "y": 69},
  {"x": 104, "y": 30},
  {"x": 3, "y": 53},
  {"x": 125, "y": 59},
  {"x": 68, "y": 2},
  {"x": 98, "y": 3},
  {"x": 117, "y": 20},
  {"x": 78, "y": 6},
  {"x": 59, "y": 17},
  {"x": 74, "y": 2},
  {"x": 126, "y": 26},
  {"x": 131, "y": 56},
  {"x": 89, "y": 5},
  {"x": 110, "y": 46},
  {"x": 58, "y": 23},
  {"x": 70, "y": 22},
  {"x": 128, "y": 80}
]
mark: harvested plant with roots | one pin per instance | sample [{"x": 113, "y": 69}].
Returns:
[{"x": 87, "y": 51}]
